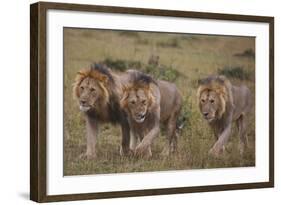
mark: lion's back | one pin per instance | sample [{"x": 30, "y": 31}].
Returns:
[
  {"x": 171, "y": 99},
  {"x": 242, "y": 100}
]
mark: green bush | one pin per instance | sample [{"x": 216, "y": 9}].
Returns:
[
  {"x": 162, "y": 72},
  {"x": 183, "y": 120},
  {"x": 235, "y": 72},
  {"x": 122, "y": 65},
  {"x": 158, "y": 72},
  {"x": 249, "y": 53}
]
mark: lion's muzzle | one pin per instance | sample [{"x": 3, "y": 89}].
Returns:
[
  {"x": 208, "y": 116},
  {"x": 84, "y": 107},
  {"x": 139, "y": 118}
]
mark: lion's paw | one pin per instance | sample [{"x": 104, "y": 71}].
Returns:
[
  {"x": 87, "y": 156},
  {"x": 143, "y": 151},
  {"x": 216, "y": 152},
  {"x": 241, "y": 148},
  {"x": 165, "y": 152},
  {"x": 125, "y": 152}
]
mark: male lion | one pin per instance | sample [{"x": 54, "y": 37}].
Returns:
[
  {"x": 222, "y": 103},
  {"x": 98, "y": 92},
  {"x": 147, "y": 103}
]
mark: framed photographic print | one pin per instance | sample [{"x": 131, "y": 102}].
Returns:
[{"x": 134, "y": 102}]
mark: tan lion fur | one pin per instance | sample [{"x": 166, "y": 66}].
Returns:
[
  {"x": 101, "y": 94},
  {"x": 222, "y": 103},
  {"x": 163, "y": 105}
]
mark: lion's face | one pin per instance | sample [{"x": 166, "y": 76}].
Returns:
[
  {"x": 210, "y": 105},
  {"x": 89, "y": 94},
  {"x": 137, "y": 105}
]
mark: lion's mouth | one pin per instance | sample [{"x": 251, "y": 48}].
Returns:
[
  {"x": 140, "y": 118},
  {"x": 84, "y": 108},
  {"x": 209, "y": 119}
]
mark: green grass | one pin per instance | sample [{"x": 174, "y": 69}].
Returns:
[{"x": 183, "y": 60}]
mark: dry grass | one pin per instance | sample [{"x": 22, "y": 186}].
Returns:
[{"x": 193, "y": 57}]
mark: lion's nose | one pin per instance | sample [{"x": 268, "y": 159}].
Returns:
[
  {"x": 140, "y": 115},
  {"x": 83, "y": 102},
  {"x": 205, "y": 114}
]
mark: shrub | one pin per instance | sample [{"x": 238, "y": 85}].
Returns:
[
  {"x": 116, "y": 64},
  {"x": 122, "y": 65},
  {"x": 249, "y": 53},
  {"x": 183, "y": 121},
  {"x": 162, "y": 72},
  {"x": 235, "y": 72},
  {"x": 158, "y": 72}
]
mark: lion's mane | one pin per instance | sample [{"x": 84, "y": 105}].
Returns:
[{"x": 137, "y": 81}]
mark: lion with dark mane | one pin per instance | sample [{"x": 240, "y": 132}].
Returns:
[
  {"x": 222, "y": 103},
  {"x": 147, "y": 103},
  {"x": 98, "y": 92}
]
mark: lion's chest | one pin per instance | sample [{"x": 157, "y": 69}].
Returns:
[{"x": 142, "y": 129}]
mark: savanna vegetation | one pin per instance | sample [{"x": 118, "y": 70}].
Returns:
[{"x": 183, "y": 59}]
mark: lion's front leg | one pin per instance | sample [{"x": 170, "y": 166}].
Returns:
[
  {"x": 143, "y": 150},
  {"x": 125, "y": 144},
  {"x": 219, "y": 146},
  {"x": 143, "y": 147},
  {"x": 133, "y": 141},
  {"x": 91, "y": 135}
]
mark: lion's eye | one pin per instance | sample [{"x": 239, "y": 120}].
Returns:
[
  {"x": 212, "y": 101},
  {"x": 82, "y": 88},
  {"x": 132, "y": 102},
  {"x": 202, "y": 100},
  {"x": 143, "y": 102},
  {"x": 92, "y": 89}
]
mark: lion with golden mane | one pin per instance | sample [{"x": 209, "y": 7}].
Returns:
[
  {"x": 222, "y": 103},
  {"x": 98, "y": 91},
  {"x": 147, "y": 103}
]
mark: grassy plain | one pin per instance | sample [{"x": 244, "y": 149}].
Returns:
[{"x": 192, "y": 57}]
